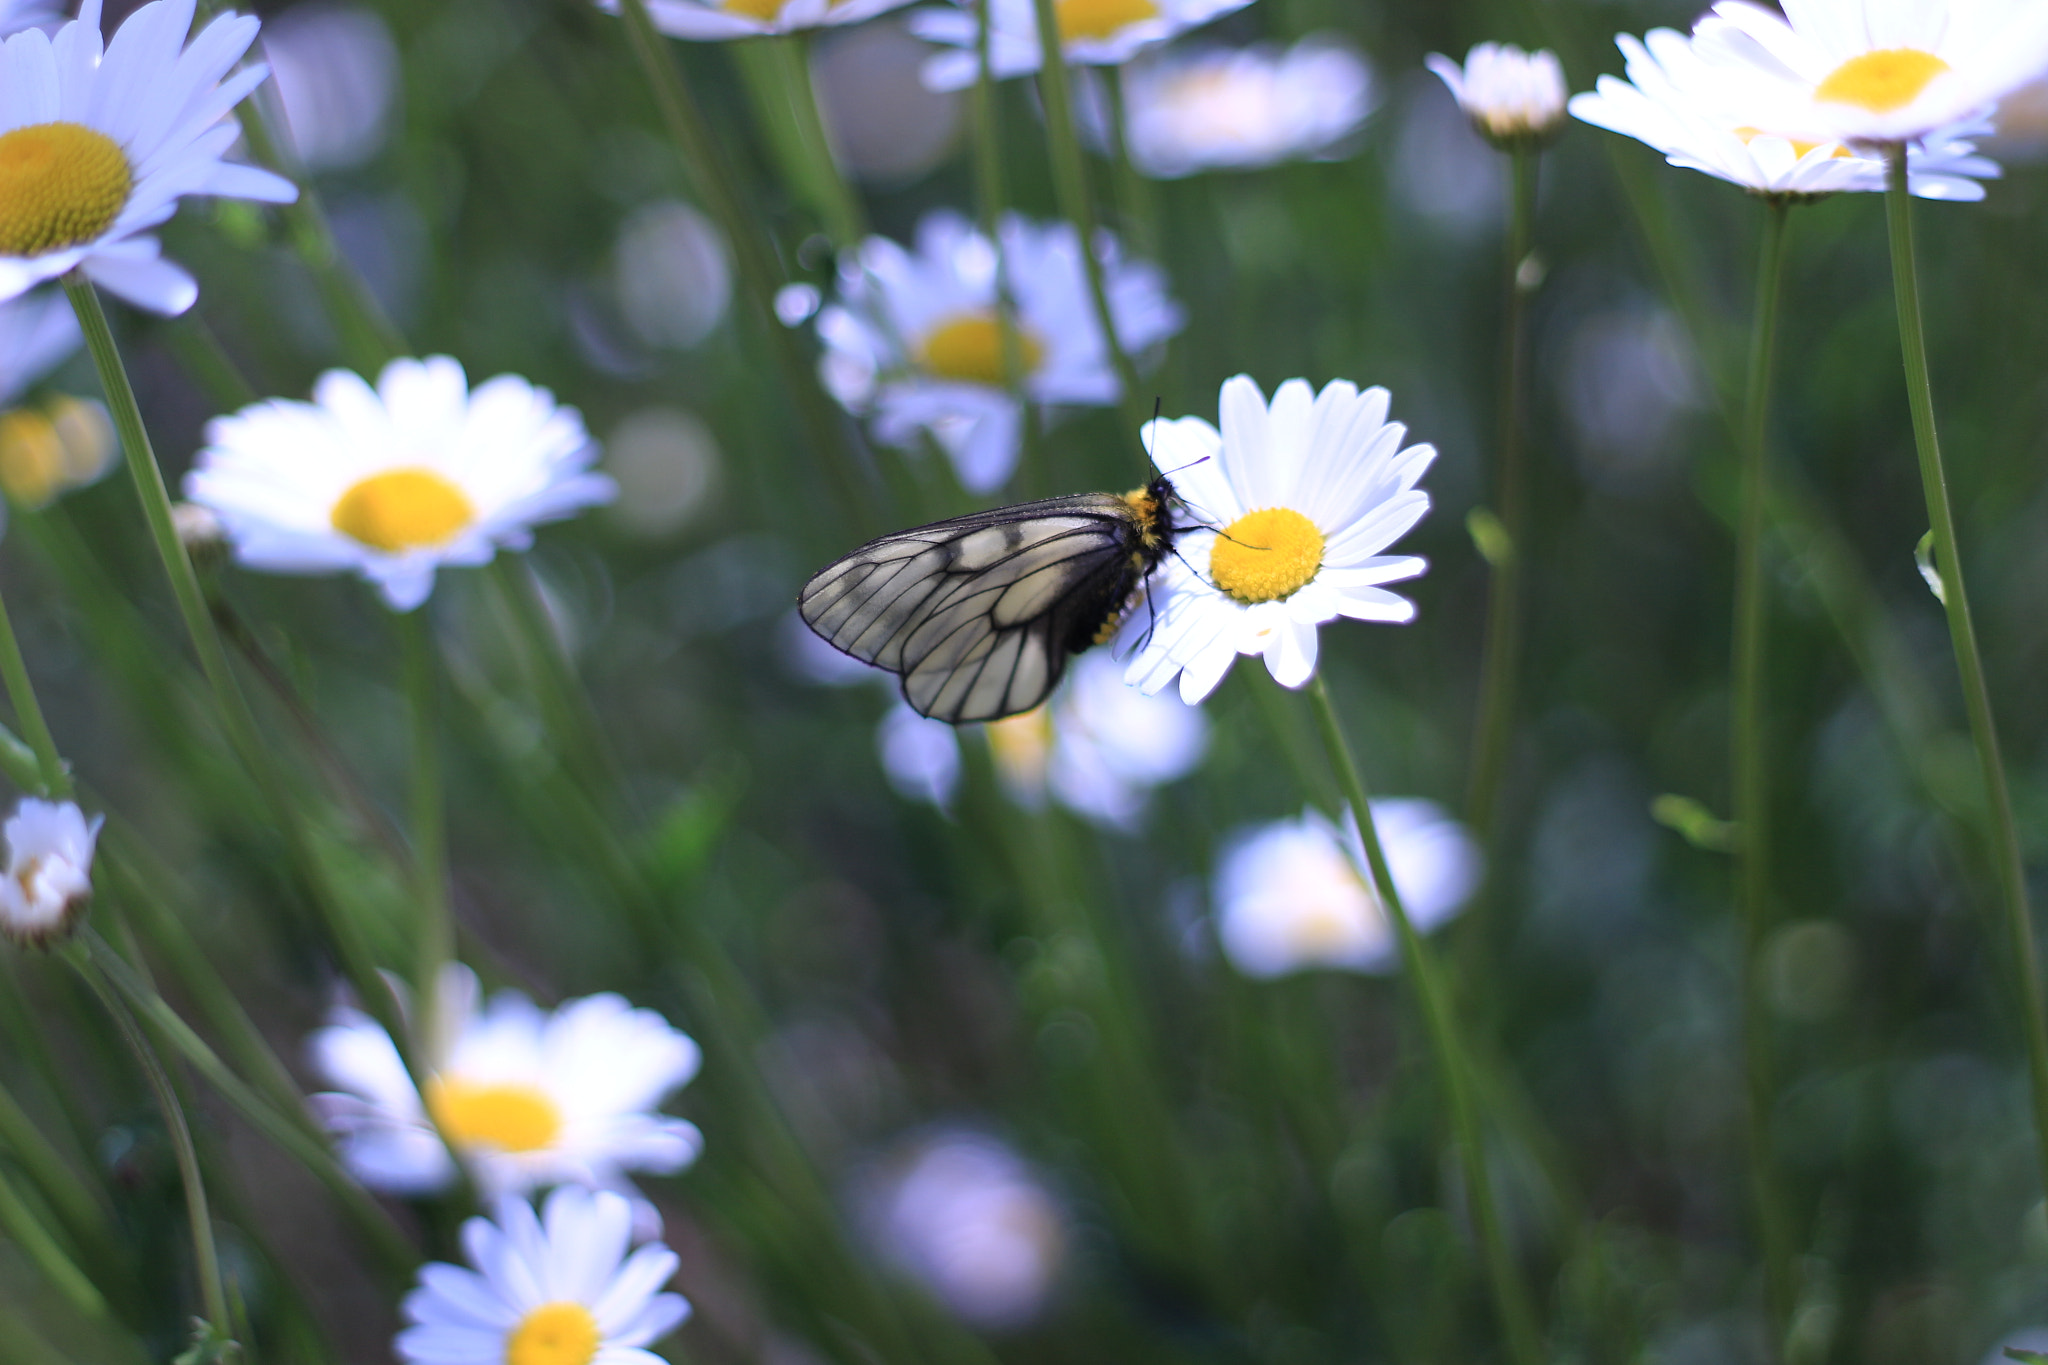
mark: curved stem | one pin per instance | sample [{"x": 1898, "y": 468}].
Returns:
[
  {"x": 212, "y": 1288},
  {"x": 1501, "y": 668},
  {"x": 1510, "y": 1295},
  {"x": 51, "y": 775},
  {"x": 2007, "y": 860},
  {"x": 1070, "y": 184},
  {"x": 1749, "y": 744}
]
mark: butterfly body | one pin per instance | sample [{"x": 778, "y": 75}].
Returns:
[{"x": 978, "y": 614}]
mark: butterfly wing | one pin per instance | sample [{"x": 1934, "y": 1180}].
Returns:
[{"x": 978, "y": 614}]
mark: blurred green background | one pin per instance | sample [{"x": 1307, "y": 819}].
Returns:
[{"x": 1278, "y": 1188}]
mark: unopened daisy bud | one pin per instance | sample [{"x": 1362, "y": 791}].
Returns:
[
  {"x": 49, "y": 871},
  {"x": 202, "y": 533},
  {"x": 1514, "y": 98}
]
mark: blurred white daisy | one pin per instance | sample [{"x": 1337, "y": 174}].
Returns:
[
  {"x": 397, "y": 481},
  {"x": 48, "y": 882},
  {"x": 962, "y": 1214},
  {"x": 914, "y": 338},
  {"x": 16, "y": 15},
  {"x": 1294, "y": 505},
  {"x": 1099, "y": 746},
  {"x": 1675, "y": 100},
  {"x": 1511, "y": 96},
  {"x": 1873, "y": 71},
  {"x": 1092, "y": 33},
  {"x": 1290, "y": 896},
  {"x": 527, "y": 1098},
  {"x": 920, "y": 756},
  {"x": 709, "y": 21},
  {"x": 561, "y": 1288},
  {"x": 96, "y": 149},
  {"x": 37, "y": 333},
  {"x": 1220, "y": 108}
]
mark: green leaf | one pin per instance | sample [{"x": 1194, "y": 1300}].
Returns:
[
  {"x": 1699, "y": 826},
  {"x": 1923, "y": 555}
]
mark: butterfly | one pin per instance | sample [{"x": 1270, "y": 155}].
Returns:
[{"x": 978, "y": 614}]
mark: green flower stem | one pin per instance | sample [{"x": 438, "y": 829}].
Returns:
[
  {"x": 290, "y": 1128},
  {"x": 76, "y": 1204},
  {"x": 18, "y": 762},
  {"x": 777, "y": 72},
  {"x": 368, "y": 337},
  {"x": 52, "y": 779},
  {"x": 991, "y": 197},
  {"x": 206, "y": 1259},
  {"x": 232, "y": 707},
  {"x": 1134, "y": 195},
  {"x": 1070, "y": 184},
  {"x": 1506, "y": 620},
  {"x": 829, "y": 436},
  {"x": 1511, "y": 1296},
  {"x": 429, "y": 819},
  {"x": 1749, "y": 749},
  {"x": 28, "y": 1234},
  {"x": 2007, "y": 860}
]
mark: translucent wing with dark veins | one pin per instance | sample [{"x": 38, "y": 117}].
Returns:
[{"x": 977, "y": 615}]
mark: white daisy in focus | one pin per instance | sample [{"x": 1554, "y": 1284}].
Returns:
[
  {"x": 526, "y": 1097},
  {"x": 48, "y": 881},
  {"x": 38, "y": 332},
  {"x": 1099, "y": 746},
  {"x": 560, "y": 1288},
  {"x": 397, "y": 481},
  {"x": 914, "y": 339},
  {"x": 1237, "y": 109},
  {"x": 1513, "y": 97},
  {"x": 1290, "y": 896},
  {"x": 1092, "y": 33},
  {"x": 1295, "y": 503},
  {"x": 1676, "y": 101},
  {"x": 964, "y": 1215},
  {"x": 709, "y": 21},
  {"x": 96, "y": 148},
  {"x": 1867, "y": 72}
]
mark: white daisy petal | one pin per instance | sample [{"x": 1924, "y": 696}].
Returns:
[{"x": 1094, "y": 34}]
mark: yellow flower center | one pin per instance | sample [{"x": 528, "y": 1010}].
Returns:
[
  {"x": 402, "y": 509},
  {"x": 60, "y": 184},
  {"x": 553, "y": 1334},
  {"x": 1100, "y": 19},
  {"x": 1881, "y": 81},
  {"x": 1267, "y": 555},
  {"x": 507, "y": 1118},
  {"x": 1325, "y": 927},
  {"x": 1749, "y": 135},
  {"x": 969, "y": 346},
  {"x": 1023, "y": 746}
]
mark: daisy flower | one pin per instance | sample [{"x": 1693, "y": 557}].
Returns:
[
  {"x": 914, "y": 339},
  {"x": 920, "y": 756},
  {"x": 1098, "y": 747},
  {"x": 48, "y": 881},
  {"x": 97, "y": 147},
  {"x": 37, "y": 333},
  {"x": 1295, "y": 503},
  {"x": 396, "y": 481},
  {"x": 1237, "y": 109},
  {"x": 1512, "y": 97},
  {"x": 1289, "y": 895},
  {"x": 1676, "y": 101},
  {"x": 1092, "y": 33},
  {"x": 526, "y": 1098},
  {"x": 1873, "y": 71},
  {"x": 710, "y": 21},
  {"x": 962, "y": 1214},
  {"x": 560, "y": 1288}
]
